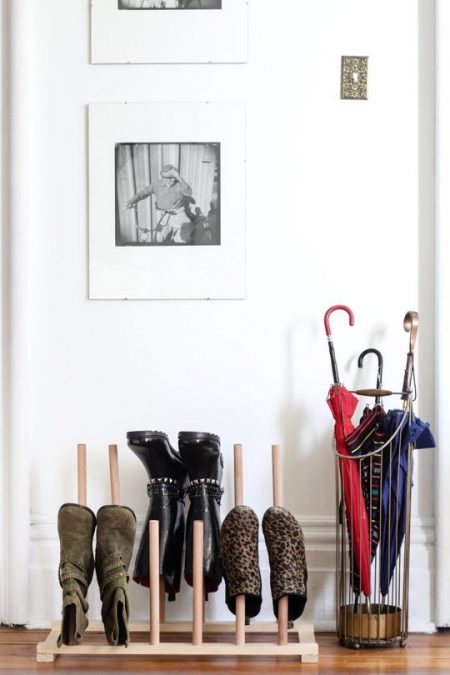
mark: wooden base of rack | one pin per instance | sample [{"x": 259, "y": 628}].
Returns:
[{"x": 304, "y": 645}]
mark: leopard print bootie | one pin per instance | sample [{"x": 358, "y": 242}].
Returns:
[
  {"x": 239, "y": 544},
  {"x": 286, "y": 548}
]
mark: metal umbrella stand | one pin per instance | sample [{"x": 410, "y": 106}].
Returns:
[{"x": 381, "y": 448}]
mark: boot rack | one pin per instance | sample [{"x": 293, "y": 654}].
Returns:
[{"x": 303, "y": 646}]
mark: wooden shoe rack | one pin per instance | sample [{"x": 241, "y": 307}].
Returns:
[{"x": 238, "y": 639}]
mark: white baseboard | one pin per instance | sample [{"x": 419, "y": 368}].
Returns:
[{"x": 320, "y": 536}]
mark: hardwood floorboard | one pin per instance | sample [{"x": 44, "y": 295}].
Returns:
[{"x": 422, "y": 654}]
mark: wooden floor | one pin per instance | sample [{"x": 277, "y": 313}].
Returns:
[{"x": 422, "y": 654}]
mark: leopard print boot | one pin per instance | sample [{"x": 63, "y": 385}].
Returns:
[
  {"x": 286, "y": 548},
  {"x": 239, "y": 545}
]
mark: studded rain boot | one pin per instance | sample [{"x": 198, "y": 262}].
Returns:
[
  {"x": 76, "y": 526},
  {"x": 167, "y": 477},
  {"x": 116, "y": 529},
  {"x": 204, "y": 462}
]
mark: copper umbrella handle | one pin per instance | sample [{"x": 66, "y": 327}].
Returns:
[{"x": 411, "y": 325}]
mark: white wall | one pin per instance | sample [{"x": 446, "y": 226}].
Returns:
[{"x": 333, "y": 217}]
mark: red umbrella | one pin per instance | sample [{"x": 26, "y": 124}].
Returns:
[{"x": 343, "y": 404}]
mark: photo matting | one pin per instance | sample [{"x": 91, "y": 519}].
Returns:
[
  {"x": 167, "y": 200},
  {"x": 146, "y": 31}
]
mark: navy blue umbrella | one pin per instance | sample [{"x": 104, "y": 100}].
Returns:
[{"x": 412, "y": 432}]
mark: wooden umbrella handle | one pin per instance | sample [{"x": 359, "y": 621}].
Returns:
[{"x": 373, "y": 392}]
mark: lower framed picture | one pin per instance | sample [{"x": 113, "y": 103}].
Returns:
[{"x": 167, "y": 200}]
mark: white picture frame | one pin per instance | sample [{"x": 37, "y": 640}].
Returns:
[
  {"x": 169, "y": 36},
  {"x": 163, "y": 271}
]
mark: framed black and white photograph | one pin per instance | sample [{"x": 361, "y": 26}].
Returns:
[
  {"x": 170, "y": 4},
  {"x": 167, "y": 200},
  {"x": 167, "y": 194},
  {"x": 169, "y": 31}
]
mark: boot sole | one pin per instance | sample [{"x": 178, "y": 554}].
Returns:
[
  {"x": 142, "y": 436},
  {"x": 197, "y": 436}
]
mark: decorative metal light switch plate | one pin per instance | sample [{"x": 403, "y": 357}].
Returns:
[{"x": 354, "y": 77}]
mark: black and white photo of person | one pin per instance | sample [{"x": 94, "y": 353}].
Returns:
[
  {"x": 167, "y": 194},
  {"x": 170, "y": 4}
]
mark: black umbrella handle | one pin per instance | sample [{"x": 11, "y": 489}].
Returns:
[
  {"x": 326, "y": 321},
  {"x": 379, "y": 370},
  {"x": 334, "y": 367}
]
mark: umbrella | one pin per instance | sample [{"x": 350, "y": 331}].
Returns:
[
  {"x": 342, "y": 404},
  {"x": 403, "y": 432},
  {"x": 408, "y": 432},
  {"x": 364, "y": 441}
]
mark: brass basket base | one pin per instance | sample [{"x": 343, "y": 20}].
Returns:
[{"x": 381, "y": 625}]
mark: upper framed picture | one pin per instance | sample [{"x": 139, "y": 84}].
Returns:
[
  {"x": 167, "y": 200},
  {"x": 169, "y": 31}
]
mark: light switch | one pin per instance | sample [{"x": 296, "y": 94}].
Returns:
[{"x": 354, "y": 77}]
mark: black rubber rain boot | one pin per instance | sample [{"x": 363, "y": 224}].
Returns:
[
  {"x": 204, "y": 462},
  {"x": 76, "y": 526},
  {"x": 167, "y": 477}
]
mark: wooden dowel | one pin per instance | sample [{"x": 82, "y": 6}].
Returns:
[
  {"x": 283, "y": 621},
  {"x": 238, "y": 501},
  {"x": 238, "y": 476},
  {"x": 81, "y": 473},
  {"x": 240, "y": 620},
  {"x": 276, "y": 476},
  {"x": 278, "y": 501},
  {"x": 154, "y": 582},
  {"x": 199, "y": 596},
  {"x": 162, "y": 599},
  {"x": 114, "y": 474}
]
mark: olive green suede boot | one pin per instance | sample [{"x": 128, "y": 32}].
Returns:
[
  {"x": 116, "y": 529},
  {"x": 76, "y": 525}
]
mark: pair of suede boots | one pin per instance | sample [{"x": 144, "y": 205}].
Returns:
[
  {"x": 196, "y": 470},
  {"x": 116, "y": 529},
  {"x": 285, "y": 545}
]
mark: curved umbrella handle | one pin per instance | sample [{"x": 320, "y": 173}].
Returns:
[
  {"x": 326, "y": 321},
  {"x": 411, "y": 325},
  {"x": 380, "y": 367},
  {"x": 329, "y": 312}
]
